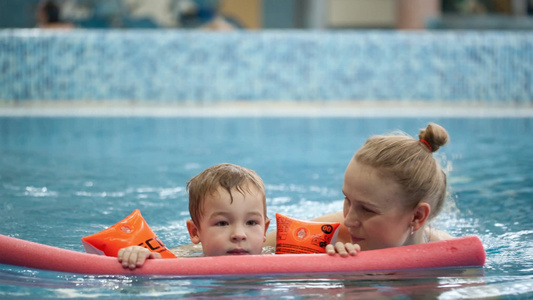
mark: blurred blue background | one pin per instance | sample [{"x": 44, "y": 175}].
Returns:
[
  {"x": 212, "y": 51},
  {"x": 288, "y": 14}
]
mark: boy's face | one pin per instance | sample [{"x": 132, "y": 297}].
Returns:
[{"x": 226, "y": 228}]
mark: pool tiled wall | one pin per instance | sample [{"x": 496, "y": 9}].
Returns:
[{"x": 174, "y": 66}]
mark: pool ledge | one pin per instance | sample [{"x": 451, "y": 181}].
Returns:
[{"x": 269, "y": 109}]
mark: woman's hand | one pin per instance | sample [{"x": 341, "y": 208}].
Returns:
[
  {"x": 134, "y": 256},
  {"x": 343, "y": 249}
]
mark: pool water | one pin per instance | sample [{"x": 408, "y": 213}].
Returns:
[{"x": 64, "y": 178}]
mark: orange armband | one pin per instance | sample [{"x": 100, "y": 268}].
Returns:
[
  {"x": 132, "y": 231},
  {"x": 296, "y": 236}
]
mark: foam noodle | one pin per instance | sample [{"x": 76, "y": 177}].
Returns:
[
  {"x": 459, "y": 253},
  {"x": 132, "y": 231},
  {"x": 296, "y": 236}
]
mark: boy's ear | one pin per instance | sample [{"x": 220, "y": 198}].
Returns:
[
  {"x": 266, "y": 228},
  {"x": 421, "y": 215},
  {"x": 193, "y": 232}
]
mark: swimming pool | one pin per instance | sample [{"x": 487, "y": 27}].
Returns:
[{"x": 64, "y": 177}]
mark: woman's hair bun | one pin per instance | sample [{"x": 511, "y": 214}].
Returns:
[{"x": 435, "y": 135}]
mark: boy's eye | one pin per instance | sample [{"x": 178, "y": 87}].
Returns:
[
  {"x": 222, "y": 223},
  {"x": 252, "y": 223}
]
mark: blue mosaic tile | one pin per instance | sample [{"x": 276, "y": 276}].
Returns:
[{"x": 203, "y": 67}]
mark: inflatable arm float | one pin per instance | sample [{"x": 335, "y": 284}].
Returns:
[{"x": 459, "y": 252}]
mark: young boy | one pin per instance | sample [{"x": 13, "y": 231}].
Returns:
[{"x": 227, "y": 204}]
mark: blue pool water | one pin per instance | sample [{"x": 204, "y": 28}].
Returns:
[{"x": 65, "y": 178}]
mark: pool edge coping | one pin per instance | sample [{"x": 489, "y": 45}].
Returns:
[{"x": 268, "y": 109}]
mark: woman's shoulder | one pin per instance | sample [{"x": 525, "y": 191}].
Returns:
[{"x": 435, "y": 235}]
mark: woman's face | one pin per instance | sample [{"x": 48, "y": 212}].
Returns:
[{"x": 374, "y": 209}]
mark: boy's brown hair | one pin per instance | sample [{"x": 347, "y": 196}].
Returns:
[{"x": 225, "y": 175}]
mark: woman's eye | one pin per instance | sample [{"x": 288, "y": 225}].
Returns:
[{"x": 368, "y": 210}]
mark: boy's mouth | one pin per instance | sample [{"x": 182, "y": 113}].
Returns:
[{"x": 237, "y": 252}]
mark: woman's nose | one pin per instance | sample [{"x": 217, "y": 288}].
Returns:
[{"x": 351, "y": 219}]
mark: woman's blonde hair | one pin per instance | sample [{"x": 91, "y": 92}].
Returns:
[
  {"x": 227, "y": 176},
  {"x": 410, "y": 163}
]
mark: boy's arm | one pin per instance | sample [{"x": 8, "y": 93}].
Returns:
[
  {"x": 135, "y": 256},
  {"x": 343, "y": 236}
]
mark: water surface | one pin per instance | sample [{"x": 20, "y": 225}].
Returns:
[{"x": 65, "y": 178}]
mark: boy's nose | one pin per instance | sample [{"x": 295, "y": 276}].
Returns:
[{"x": 238, "y": 235}]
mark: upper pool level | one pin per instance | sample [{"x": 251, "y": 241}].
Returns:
[{"x": 177, "y": 66}]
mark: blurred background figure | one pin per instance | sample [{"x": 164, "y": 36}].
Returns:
[
  {"x": 270, "y": 14},
  {"x": 49, "y": 16}
]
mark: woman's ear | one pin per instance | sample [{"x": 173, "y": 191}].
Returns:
[
  {"x": 194, "y": 233},
  {"x": 266, "y": 228},
  {"x": 420, "y": 216}
]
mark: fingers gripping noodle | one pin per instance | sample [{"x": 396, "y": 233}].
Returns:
[
  {"x": 132, "y": 231},
  {"x": 297, "y": 236}
]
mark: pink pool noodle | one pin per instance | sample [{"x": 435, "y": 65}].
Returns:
[{"x": 459, "y": 252}]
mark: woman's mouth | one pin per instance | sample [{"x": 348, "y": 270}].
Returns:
[{"x": 356, "y": 240}]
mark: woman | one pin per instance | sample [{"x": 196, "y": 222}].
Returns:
[{"x": 393, "y": 186}]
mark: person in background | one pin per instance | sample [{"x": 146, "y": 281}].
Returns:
[{"x": 48, "y": 16}]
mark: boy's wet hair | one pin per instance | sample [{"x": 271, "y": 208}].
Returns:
[
  {"x": 229, "y": 177},
  {"x": 410, "y": 163}
]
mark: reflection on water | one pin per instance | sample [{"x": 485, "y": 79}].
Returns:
[
  {"x": 20, "y": 282},
  {"x": 442, "y": 284}
]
